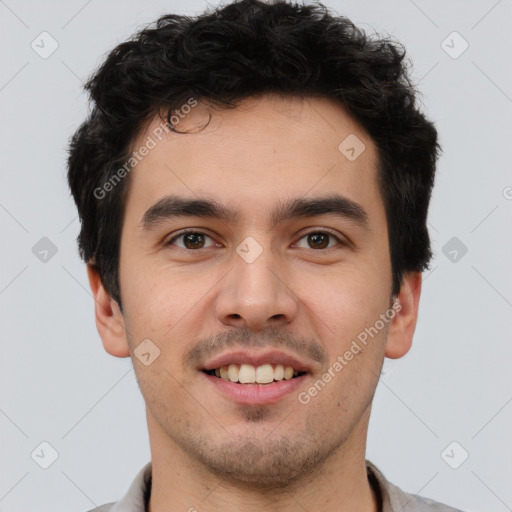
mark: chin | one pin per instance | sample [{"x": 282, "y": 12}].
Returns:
[{"x": 266, "y": 464}]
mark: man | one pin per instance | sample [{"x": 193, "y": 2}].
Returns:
[{"x": 253, "y": 187}]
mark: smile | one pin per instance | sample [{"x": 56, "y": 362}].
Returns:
[{"x": 250, "y": 374}]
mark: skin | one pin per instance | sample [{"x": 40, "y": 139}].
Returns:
[{"x": 207, "y": 452}]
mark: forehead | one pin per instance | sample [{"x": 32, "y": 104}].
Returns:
[{"x": 264, "y": 149}]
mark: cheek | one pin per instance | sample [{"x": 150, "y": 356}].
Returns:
[
  {"x": 346, "y": 301},
  {"x": 163, "y": 304},
  {"x": 344, "y": 311},
  {"x": 338, "y": 405},
  {"x": 154, "y": 295}
]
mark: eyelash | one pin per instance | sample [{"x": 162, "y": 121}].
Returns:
[{"x": 317, "y": 231}]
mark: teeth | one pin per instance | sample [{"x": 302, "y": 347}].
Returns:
[
  {"x": 264, "y": 374},
  {"x": 233, "y": 371},
  {"x": 223, "y": 373},
  {"x": 249, "y": 374}
]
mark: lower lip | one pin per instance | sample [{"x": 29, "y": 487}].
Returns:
[{"x": 256, "y": 394}]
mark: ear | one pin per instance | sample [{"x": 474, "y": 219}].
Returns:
[
  {"x": 403, "y": 324},
  {"x": 109, "y": 319}
]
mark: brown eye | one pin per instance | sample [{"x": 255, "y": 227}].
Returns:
[
  {"x": 320, "y": 240},
  {"x": 192, "y": 240}
]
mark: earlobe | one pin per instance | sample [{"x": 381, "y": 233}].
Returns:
[
  {"x": 403, "y": 324},
  {"x": 109, "y": 319}
]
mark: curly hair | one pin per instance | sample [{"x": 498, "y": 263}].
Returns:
[{"x": 236, "y": 51}]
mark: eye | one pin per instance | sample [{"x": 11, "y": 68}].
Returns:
[
  {"x": 192, "y": 240},
  {"x": 320, "y": 239}
]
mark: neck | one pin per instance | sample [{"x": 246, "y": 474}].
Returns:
[{"x": 340, "y": 484}]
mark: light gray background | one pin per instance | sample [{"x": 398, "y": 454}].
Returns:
[{"x": 59, "y": 386}]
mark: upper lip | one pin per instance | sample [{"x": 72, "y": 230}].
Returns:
[{"x": 256, "y": 359}]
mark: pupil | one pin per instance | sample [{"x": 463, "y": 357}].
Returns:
[
  {"x": 193, "y": 239},
  {"x": 316, "y": 238}
]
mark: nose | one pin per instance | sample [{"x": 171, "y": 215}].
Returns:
[{"x": 256, "y": 294}]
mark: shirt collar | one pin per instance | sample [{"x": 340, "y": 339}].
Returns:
[{"x": 137, "y": 497}]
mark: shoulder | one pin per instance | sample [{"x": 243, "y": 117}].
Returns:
[
  {"x": 104, "y": 508},
  {"x": 413, "y": 503},
  {"x": 393, "y": 498},
  {"x": 135, "y": 498}
]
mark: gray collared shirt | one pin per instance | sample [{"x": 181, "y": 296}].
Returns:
[{"x": 392, "y": 498}]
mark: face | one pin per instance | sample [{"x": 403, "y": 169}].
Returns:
[{"x": 275, "y": 271}]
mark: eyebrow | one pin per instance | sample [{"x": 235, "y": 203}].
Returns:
[{"x": 171, "y": 206}]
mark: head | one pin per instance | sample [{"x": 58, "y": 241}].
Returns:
[{"x": 291, "y": 146}]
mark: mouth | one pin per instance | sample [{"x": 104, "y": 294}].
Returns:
[
  {"x": 250, "y": 374},
  {"x": 255, "y": 378}
]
